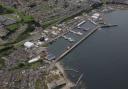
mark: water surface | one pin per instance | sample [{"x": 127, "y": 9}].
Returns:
[{"x": 103, "y": 57}]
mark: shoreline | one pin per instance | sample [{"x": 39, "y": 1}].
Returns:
[
  {"x": 57, "y": 63},
  {"x": 60, "y": 66},
  {"x": 69, "y": 83}
]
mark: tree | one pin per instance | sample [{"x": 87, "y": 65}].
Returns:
[
  {"x": 19, "y": 2},
  {"x": 104, "y": 1}
]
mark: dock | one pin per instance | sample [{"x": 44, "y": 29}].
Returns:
[
  {"x": 52, "y": 40},
  {"x": 55, "y": 63},
  {"x": 71, "y": 48},
  {"x": 76, "y": 44}
]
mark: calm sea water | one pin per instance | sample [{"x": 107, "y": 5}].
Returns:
[{"x": 103, "y": 57}]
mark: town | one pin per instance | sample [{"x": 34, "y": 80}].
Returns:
[{"x": 30, "y": 31}]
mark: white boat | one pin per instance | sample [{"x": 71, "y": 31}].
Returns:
[
  {"x": 79, "y": 33},
  {"x": 65, "y": 37},
  {"x": 78, "y": 25},
  {"x": 71, "y": 40},
  {"x": 68, "y": 38}
]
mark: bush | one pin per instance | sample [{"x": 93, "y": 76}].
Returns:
[
  {"x": 6, "y": 9},
  {"x": 12, "y": 27},
  {"x": 10, "y": 10},
  {"x": 1, "y": 63},
  {"x": 27, "y": 19}
]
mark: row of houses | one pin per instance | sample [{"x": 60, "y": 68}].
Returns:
[
  {"x": 109, "y": 1},
  {"x": 5, "y": 21}
]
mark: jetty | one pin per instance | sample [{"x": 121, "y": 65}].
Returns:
[
  {"x": 92, "y": 21},
  {"x": 79, "y": 79},
  {"x": 78, "y": 33},
  {"x": 84, "y": 29},
  {"x": 109, "y": 25},
  {"x": 81, "y": 23}
]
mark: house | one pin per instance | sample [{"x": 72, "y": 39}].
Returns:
[
  {"x": 94, "y": 3},
  {"x": 9, "y": 22},
  {"x": 28, "y": 44},
  {"x": 34, "y": 59},
  {"x": 3, "y": 32},
  {"x": 1, "y": 41},
  {"x": 2, "y": 19},
  {"x": 95, "y": 16},
  {"x": 36, "y": 51},
  {"x": 22, "y": 55},
  {"x": 125, "y": 2},
  {"x": 6, "y": 21}
]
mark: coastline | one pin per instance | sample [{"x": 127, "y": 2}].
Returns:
[
  {"x": 60, "y": 66},
  {"x": 69, "y": 83},
  {"x": 57, "y": 63}
]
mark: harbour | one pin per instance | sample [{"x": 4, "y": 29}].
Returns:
[
  {"x": 71, "y": 53},
  {"x": 76, "y": 44},
  {"x": 72, "y": 40},
  {"x": 84, "y": 49}
]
